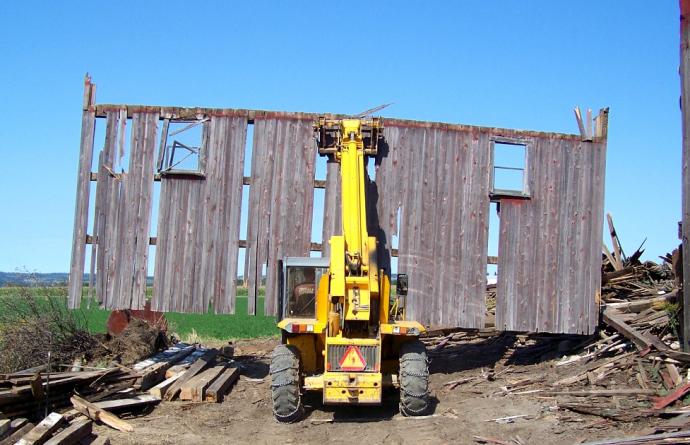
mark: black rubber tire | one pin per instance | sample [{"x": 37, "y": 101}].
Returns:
[
  {"x": 414, "y": 379},
  {"x": 285, "y": 384}
]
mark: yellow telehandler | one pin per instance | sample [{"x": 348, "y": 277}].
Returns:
[{"x": 342, "y": 332}]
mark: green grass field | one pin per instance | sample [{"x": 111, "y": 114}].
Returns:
[{"x": 221, "y": 327}]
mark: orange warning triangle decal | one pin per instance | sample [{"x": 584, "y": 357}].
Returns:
[{"x": 352, "y": 360}]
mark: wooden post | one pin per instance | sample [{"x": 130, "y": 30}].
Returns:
[{"x": 685, "y": 112}]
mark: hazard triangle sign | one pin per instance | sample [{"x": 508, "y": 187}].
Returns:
[{"x": 352, "y": 360}]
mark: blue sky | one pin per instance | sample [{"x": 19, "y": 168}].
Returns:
[{"x": 505, "y": 63}]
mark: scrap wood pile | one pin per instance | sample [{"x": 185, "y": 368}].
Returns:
[{"x": 69, "y": 401}]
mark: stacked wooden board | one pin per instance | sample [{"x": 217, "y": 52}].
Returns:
[{"x": 37, "y": 406}]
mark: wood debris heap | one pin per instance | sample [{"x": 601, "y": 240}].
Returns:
[{"x": 38, "y": 405}]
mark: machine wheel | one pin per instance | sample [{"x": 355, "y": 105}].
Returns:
[
  {"x": 414, "y": 379},
  {"x": 285, "y": 384}
]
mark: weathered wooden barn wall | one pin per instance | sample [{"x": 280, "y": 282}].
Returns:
[
  {"x": 122, "y": 215},
  {"x": 438, "y": 179},
  {"x": 550, "y": 244},
  {"x": 199, "y": 226},
  {"x": 281, "y": 198},
  {"x": 433, "y": 178}
]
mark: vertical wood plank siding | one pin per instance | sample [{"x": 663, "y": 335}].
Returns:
[
  {"x": 549, "y": 254},
  {"x": 433, "y": 180},
  {"x": 122, "y": 218},
  {"x": 281, "y": 201},
  {"x": 199, "y": 226},
  {"x": 439, "y": 181}
]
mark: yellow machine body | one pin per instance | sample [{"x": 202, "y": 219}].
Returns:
[{"x": 349, "y": 342}]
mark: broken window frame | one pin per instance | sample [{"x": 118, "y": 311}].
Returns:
[
  {"x": 166, "y": 154},
  {"x": 496, "y": 193}
]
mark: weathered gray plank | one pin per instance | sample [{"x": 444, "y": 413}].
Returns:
[{"x": 81, "y": 206}]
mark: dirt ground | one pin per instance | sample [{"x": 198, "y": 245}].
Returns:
[{"x": 460, "y": 413}]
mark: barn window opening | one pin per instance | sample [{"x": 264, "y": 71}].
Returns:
[
  {"x": 182, "y": 145},
  {"x": 509, "y": 169}
]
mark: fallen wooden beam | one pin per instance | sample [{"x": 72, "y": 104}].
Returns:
[
  {"x": 193, "y": 370},
  {"x": 119, "y": 404},
  {"x": 653, "y": 438},
  {"x": 18, "y": 434},
  {"x": 160, "y": 389},
  {"x": 195, "y": 389},
  {"x": 155, "y": 373},
  {"x": 602, "y": 393},
  {"x": 41, "y": 432},
  {"x": 641, "y": 340},
  {"x": 4, "y": 426},
  {"x": 94, "y": 412},
  {"x": 643, "y": 304},
  {"x": 78, "y": 430},
  {"x": 221, "y": 385},
  {"x": 663, "y": 402},
  {"x": 176, "y": 352},
  {"x": 185, "y": 363}
]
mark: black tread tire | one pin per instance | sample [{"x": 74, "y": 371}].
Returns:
[
  {"x": 285, "y": 384},
  {"x": 414, "y": 379}
]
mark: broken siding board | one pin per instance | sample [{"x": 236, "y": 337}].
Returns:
[
  {"x": 81, "y": 207},
  {"x": 237, "y": 128},
  {"x": 258, "y": 218}
]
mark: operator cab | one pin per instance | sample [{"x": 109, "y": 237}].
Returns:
[{"x": 298, "y": 284}]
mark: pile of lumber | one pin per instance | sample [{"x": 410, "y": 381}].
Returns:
[
  {"x": 39, "y": 405},
  {"x": 625, "y": 278}
]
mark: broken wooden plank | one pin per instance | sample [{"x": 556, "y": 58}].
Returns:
[
  {"x": 653, "y": 438},
  {"x": 160, "y": 389},
  {"x": 221, "y": 385},
  {"x": 185, "y": 363},
  {"x": 674, "y": 374},
  {"x": 193, "y": 370},
  {"x": 617, "y": 249},
  {"x": 94, "y": 412},
  {"x": 641, "y": 340},
  {"x": 195, "y": 388},
  {"x": 18, "y": 423},
  {"x": 153, "y": 375},
  {"x": 173, "y": 355},
  {"x": 602, "y": 392},
  {"x": 119, "y": 404},
  {"x": 78, "y": 430},
  {"x": 41, "y": 432},
  {"x": 663, "y": 402},
  {"x": 18, "y": 434}
]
